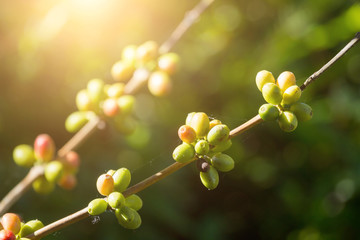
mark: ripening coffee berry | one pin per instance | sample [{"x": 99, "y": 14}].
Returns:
[
  {"x": 134, "y": 201},
  {"x": 285, "y": 80},
  {"x": 218, "y": 134},
  {"x": 291, "y": 95},
  {"x": 23, "y": 155},
  {"x": 272, "y": 93},
  {"x": 71, "y": 162},
  {"x": 7, "y": 235},
  {"x": 83, "y": 101},
  {"x": 213, "y": 123},
  {"x": 122, "y": 178},
  {"x": 122, "y": 71},
  {"x": 187, "y": 134},
  {"x": 44, "y": 148},
  {"x": 202, "y": 147},
  {"x": 115, "y": 90},
  {"x": 116, "y": 200},
  {"x": 183, "y": 153},
  {"x": 222, "y": 162},
  {"x": 110, "y": 107},
  {"x": 262, "y": 78},
  {"x": 11, "y": 222},
  {"x": 302, "y": 111},
  {"x": 105, "y": 184},
  {"x": 53, "y": 171},
  {"x": 67, "y": 181},
  {"x": 76, "y": 120},
  {"x": 210, "y": 179},
  {"x": 287, "y": 121},
  {"x": 223, "y": 146},
  {"x": 126, "y": 104},
  {"x": 97, "y": 206},
  {"x": 200, "y": 123},
  {"x": 168, "y": 62},
  {"x": 147, "y": 51},
  {"x": 128, "y": 218},
  {"x": 269, "y": 112},
  {"x": 95, "y": 89},
  {"x": 43, "y": 186},
  {"x": 30, "y": 227},
  {"x": 159, "y": 84},
  {"x": 128, "y": 54}
]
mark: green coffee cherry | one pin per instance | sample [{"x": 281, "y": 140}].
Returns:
[
  {"x": 42, "y": 186},
  {"x": 122, "y": 178},
  {"x": 53, "y": 171},
  {"x": 200, "y": 123},
  {"x": 222, "y": 162},
  {"x": 126, "y": 104},
  {"x": 83, "y": 101},
  {"x": 76, "y": 120},
  {"x": 23, "y": 155},
  {"x": 202, "y": 147},
  {"x": 218, "y": 134},
  {"x": 223, "y": 146},
  {"x": 30, "y": 227},
  {"x": 97, "y": 206},
  {"x": 115, "y": 90},
  {"x": 291, "y": 95},
  {"x": 183, "y": 153},
  {"x": 128, "y": 217},
  {"x": 116, "y": 200},
  {"x": 287, "y": 121},
  {"x": 272, "y": 93},
  {"x": 269, "y": 112},
  {"x": 134, "y": 201},
  {"x": 302, "y": 111},
  {"x": 210, "y": 179},
  {"x": 264, "y": 77},
  {"x": 95, "y": 88}
]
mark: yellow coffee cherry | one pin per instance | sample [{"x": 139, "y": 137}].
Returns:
[
  {"x": 285, "y": 80},
  {"x": 200, "y": 123},
  {"x": 83, "y": 101},
  {"x": 115, "y": 90},
  {"x": 147, "y": 51},
  {"x": 122, "y": 71},
  {"x": 159, "y": 84},
  {"x": 264, "y": 77},
  {"x": 291, "y": 95},
  {"x": 129, "y": 54}
]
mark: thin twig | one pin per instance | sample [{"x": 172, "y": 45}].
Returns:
[
  {"x": 249, "y": 124},
  {"x": 331, "y": 62}
]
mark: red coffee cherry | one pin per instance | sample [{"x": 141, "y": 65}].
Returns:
[
  {"x": 67, "y": 181},
  {"x": 7, "y": 235},
  {"x": 44, "y": 148},
  {"x": 71, "y": 162},
  {"x": 11, "y": 222}
]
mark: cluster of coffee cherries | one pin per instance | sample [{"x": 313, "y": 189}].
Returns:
[
  {"x": 111, "y": 185},
  {"x": 283, "y": 97},
  {"x": 11, "y": 227},
  {"x": 61, "y": 171},
  {"x": 205, "y": 140}
]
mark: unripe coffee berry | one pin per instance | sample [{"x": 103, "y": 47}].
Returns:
[
  {"x": 43, "y": 186},
  {"x": 122, "y": 71},
  {"x": 122, "y": 178},
  {"x": 147, "y": 51},
  {"x": 187, "y": 134},
  {"x": 291, "y": 95},
  {"x": 95, "y": 89},
  {"x": 189, "y": 117},
  {"x": 23, "y": 155},
  {"x": 128, "y": 218},
  {"x": 97, "y": 206},
  {"x": 269, "y": 112},
  {"x": 168, "y": 62},
  {"x": 83, "y": 101},
  {"x": 302, "y": 111},
  {"x": 223, "y": 146},
  {"x": 272, "y": 93},
  {"x": 285, "y": 80},
  {"x": 126, "y": 104},
  {"x": 44, "y": 148},
  {"x": 200, "y": 123},
  {"x": 30, "y": 227},
  {"x": 183, "y": 153},
  {"x": 287, "y": 121},
  {"x": 115, "y": 90},
  {"x": 53, "y": 171},
  {"x": 213, "y": 123},
  {"x": 202, "y": 147},
  {"x": 128, "y": 54},
  {"x": 210, "y": 178},
  {"x": 159, "y": 84},
  {"x": 105, "y": 184},
  {"x": 110, "y": 107},
  {"x": 218, "y": 134},
  {"x": 262, "y": 78},
  {"x": 134, "y": 201},
  {"x": 76, "y": 120},
  {"x": 11, "y": 222},
  {"x": 116, "y": 200},
  {"x": 222, "y": 162},
  {"x": 7, "y": 235}
]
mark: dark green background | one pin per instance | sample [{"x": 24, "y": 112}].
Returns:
[{"x": 302, "y": 185}]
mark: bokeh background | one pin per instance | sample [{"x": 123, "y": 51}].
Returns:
[{"x": 297, "y": 186}]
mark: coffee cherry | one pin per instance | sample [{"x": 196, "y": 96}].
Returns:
[
  {"x": 210, "y": 179},
  {"x": 53, "y": 171},
  {"x": 213, "y": 123},
  {"x": 30, "y": 227},
  {"x": 285, "y": 80},
  {"x": 128, "y": 218},
  {"x": 11, "y": 222},
  {"x": 111, "y": 172},
  {"x": 7, "y": 235},
  {"x": 110, "y": 107},
  {"x": 222, "y": 162},
  {"x": 116, "y": 200},
  {"x": 202, "y": 147},
  {"x": 105, "y": 184},
  {"x": 115, "y": 90},
  {"x": 262, "y": 78},
  {"x": 302, "y": 111},
  {"x": 122, "y": 178},
  {"x": 134, "y": 201},
  {"x": 126, "y": 104},
  {"x": 159, "y": 84},
  {"x": 125, "y": 125},
  {"x": 200, "y": 123},
  {"x": 287, "y": 121},
  {"x": 23, "y": 155},
  {"x": 83, "y": 102},
  {"x": 272, "y": 93},
  {"x": 218, "y": 134},
  {"x": 95, "y": 89},
  {"x": 44, "y": 148},
  {"x": 202, "y": 165},
  {"x": 291, "y": 95},
  {"x": 189, "y": 117},
  {"x": 71, "y": 162},
  {"x": 223, "y": 146},
  {"x": 168, "y": 62},
  {"x": 76, "y": 120},
  {"x": 122, "y": 71},
  {"x": 43, "y": 186},
  {"x": 129, "y": 54},
  {"x": 269, "y": 112},
  {"x": 97, "y": 206},
  {"x": 183, "y": 153},
  {"x": 67, "y": 181},
  {"x": 147, "y": 51},
  {"x": 187, "y": 134}
]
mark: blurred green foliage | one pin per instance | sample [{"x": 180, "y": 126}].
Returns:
[{"x": 297, "y": 186}]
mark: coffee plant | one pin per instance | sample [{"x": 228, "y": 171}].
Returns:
[{"x": 113, "y": 82}]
